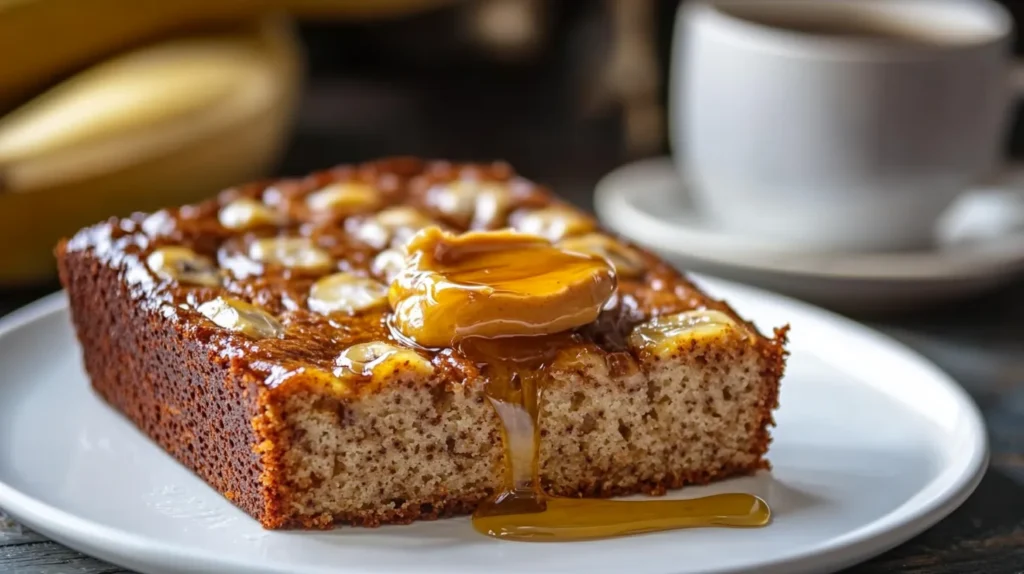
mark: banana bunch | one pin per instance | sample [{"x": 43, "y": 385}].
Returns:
[{"x": 152, "y": 124}]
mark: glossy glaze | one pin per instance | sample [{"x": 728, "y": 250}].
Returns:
[
  {"x": 494, "y": 284},
  {"x": 316, "y": 339}
]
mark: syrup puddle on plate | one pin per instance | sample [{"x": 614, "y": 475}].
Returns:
[{"x": 523, "y": 512}]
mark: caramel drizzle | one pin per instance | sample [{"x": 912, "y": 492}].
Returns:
[
  {"x": 509, "y": 303},
  {"x": 522, "y": 511}
]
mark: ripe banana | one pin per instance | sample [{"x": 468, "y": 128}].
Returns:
[
  {"x": 162, "y": 124},
  {"x": 42, "y": 40}
]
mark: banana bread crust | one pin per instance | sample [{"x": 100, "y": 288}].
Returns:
[
  {"x": 225, "y": 406},
  {"x": 196, "y": 405}
]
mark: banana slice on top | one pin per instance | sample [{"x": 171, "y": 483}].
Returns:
[
  {"x": 297, "y": 253},
  {"x": 365, "y": 359},
  {"x": 344, "y": 198},
  {"x": 245, "y": 318},
  {"x": 663, "y": 335},
  {"x": 472, "y": 203},
  {"x": 554, "y": 222},
  {"x": 246, "y": 213},
  {"x": 181, "y": 264},
  {"x": 347, "y": 293},
  {"x": 392, "y": 226},
  {"x": 388, "y": 264}
]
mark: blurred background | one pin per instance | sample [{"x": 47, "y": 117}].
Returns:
[
  {"x": 114, "y": 106},
  {"x": 132, "y": 105}
]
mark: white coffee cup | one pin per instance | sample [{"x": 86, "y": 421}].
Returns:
[{"x": 838, "y": 124}]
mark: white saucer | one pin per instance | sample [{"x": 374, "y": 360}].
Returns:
[
  {"x": 873, "y": 445},
  {"x": 647, "y": 202}
]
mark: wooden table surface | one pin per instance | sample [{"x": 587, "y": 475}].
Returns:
[{"x": 980, "y": 342}]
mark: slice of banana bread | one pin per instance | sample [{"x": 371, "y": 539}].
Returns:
[{"x": 248, "y": 336}]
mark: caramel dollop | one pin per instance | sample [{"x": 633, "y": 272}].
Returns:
[{"x": 494, "y": 284}]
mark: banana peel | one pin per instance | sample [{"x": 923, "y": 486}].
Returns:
[{"x": 159, "y": 125}]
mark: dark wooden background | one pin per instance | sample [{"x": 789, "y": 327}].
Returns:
[{"x": 407, "y": 88}]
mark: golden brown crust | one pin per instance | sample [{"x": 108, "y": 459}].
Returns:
[
  {"x": 773, "y": 355},
  {"x": 195, "y": 405}
]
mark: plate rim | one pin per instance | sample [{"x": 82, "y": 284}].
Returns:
[
  {"x": 613, "y": 208},
  {"x": 122, "y": 547}
]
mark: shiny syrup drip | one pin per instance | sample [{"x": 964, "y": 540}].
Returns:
[
  {"x": 521, "y": 511},
  {"x": 508, "y": 303}
]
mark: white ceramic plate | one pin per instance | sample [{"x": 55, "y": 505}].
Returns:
[
  {"x": 873, "y": 445},
  {"x": 648, "y": 202}
]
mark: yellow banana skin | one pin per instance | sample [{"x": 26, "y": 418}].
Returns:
[
  {"x": 43, "y": 40},
  {"x": 160, "y": 125}
]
